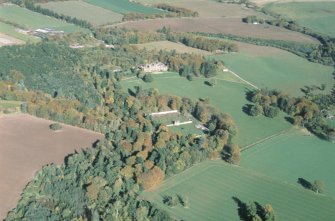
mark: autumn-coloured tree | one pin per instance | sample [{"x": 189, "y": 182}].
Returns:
[{"x": 152, "y": 178}]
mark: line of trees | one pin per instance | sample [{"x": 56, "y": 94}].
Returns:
[
  {"x": 200, "y": 42},
  {"x": 169, "y": 12}
]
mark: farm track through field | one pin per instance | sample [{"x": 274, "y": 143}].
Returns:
[
  {"x": 265, "y": 139},
  {"x": 245, "y": 81}
]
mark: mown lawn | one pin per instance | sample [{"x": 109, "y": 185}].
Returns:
[
  {"x": 124, "y": 6},
  {"x": 212, "y": 186},
  {"x": 281, "y": 70},
  {"x": 227, "y": 95},
  {"x": 294, "y": 155},
  {"x": 33, "y": 20},
  {"x": 318, "y": 16},
  {"x": 84, "y": 11}
]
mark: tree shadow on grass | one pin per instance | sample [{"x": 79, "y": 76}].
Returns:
[
  {"x": 248, "y": 94},
  {"x": 246, "y": 109},
  {"x": 242, "y": 209},
  {"x": 305, "y": 183}
]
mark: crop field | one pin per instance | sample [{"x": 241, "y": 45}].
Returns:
[
  {"x": 318, "y": 16},
  {"x": 84, "y": 11},
  {"x": 228, "y": 95},
  {"x": 230, "y": 25},
  {"x": 294, "y": 155},
  {"x": 124, "y": 6},
  {"x": 11, "y": 31},
  {"x": 210, "y": 8},
  {"x": 169, "y": 46},
  {"x": 33, "y": 20},
  {"x": 212, "y": 186},
  {"x": 264, "y": 2},
  {"x": 27, "y": 144},
  {"x": 277, "y": 69}
]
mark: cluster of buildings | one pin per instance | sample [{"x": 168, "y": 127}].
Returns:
[
  {"x": 154, "y": 67},
  {"x": 44, "y": 32}
]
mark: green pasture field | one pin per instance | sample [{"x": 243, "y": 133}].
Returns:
[
  {"x": 227, "y": 95},
  {"x": 84, "y": 11},
  {"x": 294, "y": 155},
  {"x": 168, "y": 45},
  {"x": 9, "y": 104},
  {"x": 281, "y": 70},
  {"x": 124, "y": 6},
  {"x": 318, "y": 16},
  {"x": 10, "y": 30},
  {"x": 211, "y": 187},
  {"x": 33, "y": 20}
]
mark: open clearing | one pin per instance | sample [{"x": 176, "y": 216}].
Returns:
[
  {"x": 294, "y": 155},
  {"x": 8, "y": 40},
  {"x": 33, "y": 20},
  {"x": 211, "y": 186},
  {"x": 318, "y": 16},
  {"x": 26, "y": 144},
  {"x": 84, "y": 11},
  {"x": 277, "y": 69},
  {"x": 168, "y": 45},
  {"x": 228, "y": 95},
  {"x": 232, "y": 26},
  {"x": 124, "y": 6}
]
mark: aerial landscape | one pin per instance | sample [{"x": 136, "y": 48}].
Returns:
[{"x": 167, "y": 110}]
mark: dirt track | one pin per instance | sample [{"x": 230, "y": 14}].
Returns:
[{"x": 26, "y": 144}]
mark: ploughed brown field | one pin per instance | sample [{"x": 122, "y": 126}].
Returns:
[
  {"x": 229, "y": 25},
  {"x": 26, "y": 144},
  {"x": 210, "y": 8},
  {"x": 8, "y": 40}
]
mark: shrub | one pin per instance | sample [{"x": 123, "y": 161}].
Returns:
[
  {"x": 148, "y": 78},
  {"x": 55, "y": 126}
]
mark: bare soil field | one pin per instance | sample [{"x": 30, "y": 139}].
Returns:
[
  {"x": 26, "y": 144},
  {"x": 232, "y": 26},
  {"x": 208, "y": 8},
  {"x": 8, "y": 40},
  {"x": 263, "y": 2}
]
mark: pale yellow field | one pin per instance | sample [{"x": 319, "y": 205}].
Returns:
[
  {"x": 8, "y": 40},
  {"x": 168, "y": 45}
]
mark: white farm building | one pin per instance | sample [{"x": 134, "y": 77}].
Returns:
[{"x": 154, "y": 67}]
